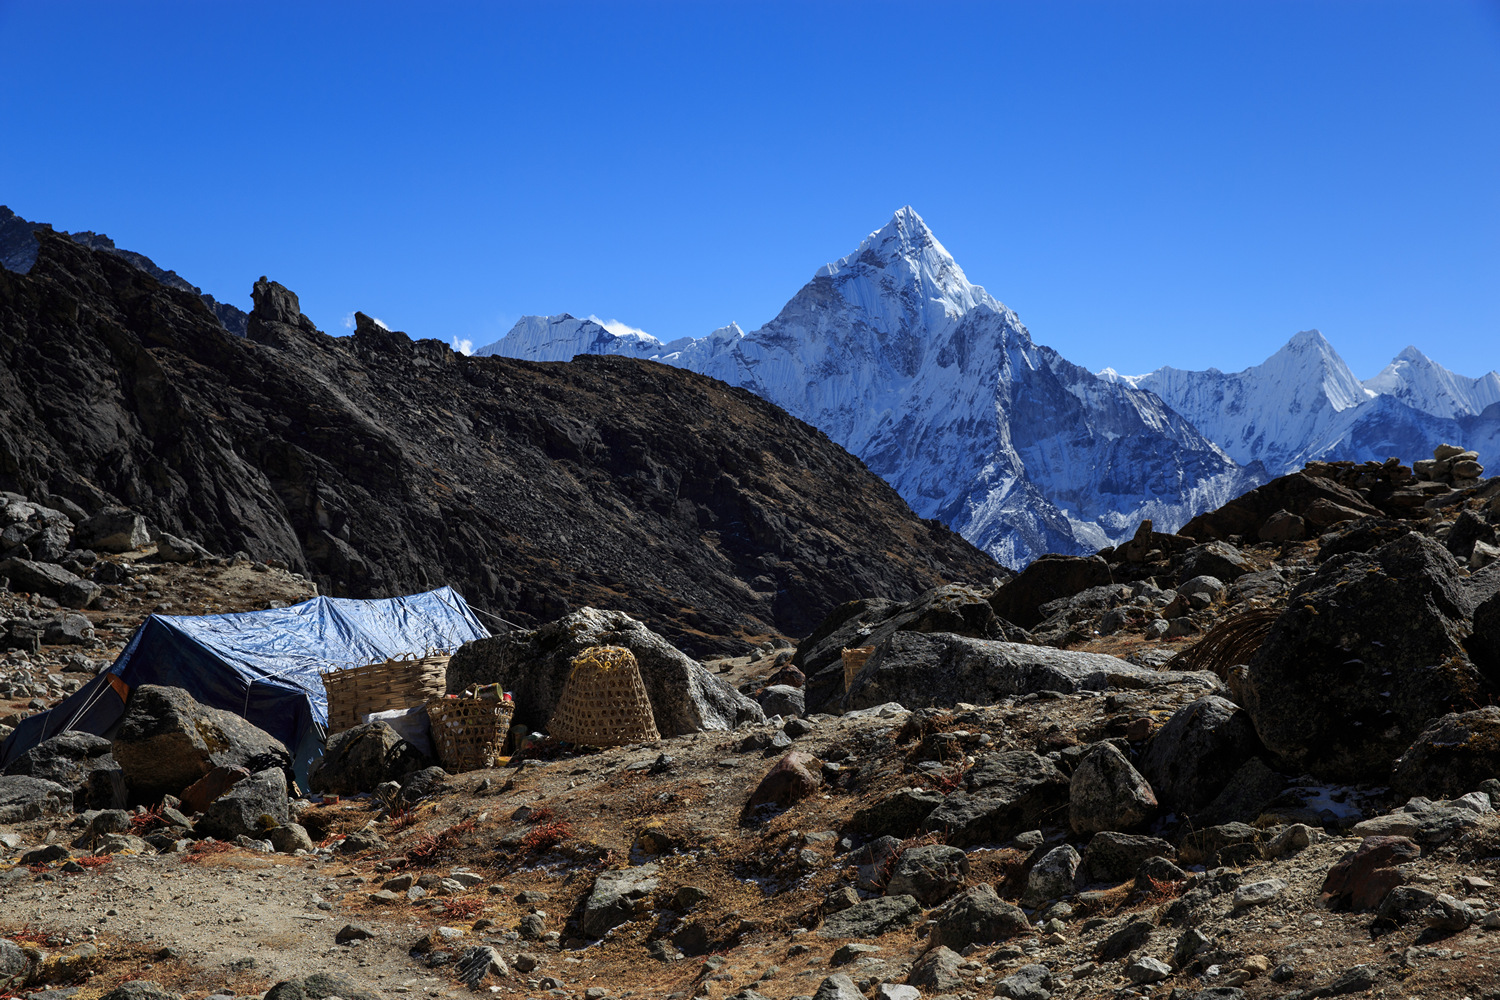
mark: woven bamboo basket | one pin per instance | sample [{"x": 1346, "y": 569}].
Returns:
[
  {"x": 403, "y": 682},
  {"x": 854, "y": 662},
  {"x": 469, "y": 733},
  {"x": 604, "y": 702}
]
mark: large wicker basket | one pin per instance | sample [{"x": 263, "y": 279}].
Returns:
[
  {"x": 469, "y": 733},
  {"x": 604, "y": 702},
  {"x": 403, "y": 682},
  {"x": 854, "y": 661}
]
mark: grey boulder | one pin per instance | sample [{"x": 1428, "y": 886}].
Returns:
[
  {"x": 1107, "y": 793},
  {"x": 1002, "y": 795},
  {"x": 113, "y": 529},
  {"x": 166, "y": 741},
  {"x": 30, "y": 577},
  {"x": 922, "y": 670},
  {"x": 251, "y": 808},
  {"x": 1195, "y": 754},
  {"x": 358, "y": 759},
  {"x": 930, "y": 873},
  {"x": 1029, "y": 982},
  {"x": 617, "y": 896},
  {"x": 1055, "y": 876},
  {"x": 80, "y": 762},
  {"x": 23, "y": 797},
  {"x": 1368, "y": 652},
  {"x": 872, "y": 918},
  {"x": 170, "y": 548},
  {"x": 976, "y": 916}
]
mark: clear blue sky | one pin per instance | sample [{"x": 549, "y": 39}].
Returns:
[{"x": 1144, "y": 183}]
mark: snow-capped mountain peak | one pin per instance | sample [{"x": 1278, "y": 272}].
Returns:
[
  {"x": 894, "y": 354},
  {"x": 1425, "y": 385},
  {"x": 904, "y": 261}
]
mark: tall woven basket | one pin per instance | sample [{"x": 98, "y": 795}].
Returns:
[
  {"x": 854, "y": 661},
  {"x": 604, "y": 702},
  {"x": 402, "y": 682},
  {"x": 469, "y": 733}
]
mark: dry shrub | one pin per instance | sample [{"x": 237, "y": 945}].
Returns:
[
  {"x": 1227, "y": 644},
  {"x": 545, "y": 836},
  {"x": 202, "y": 849},
  {"x": 462, "y": 909}
]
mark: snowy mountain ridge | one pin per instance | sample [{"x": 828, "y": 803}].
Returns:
[
  {"x": 1304, "y": 404},
  {"x": 894, "y": 354}
]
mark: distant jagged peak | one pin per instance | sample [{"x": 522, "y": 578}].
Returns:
[{"x": 1425, "y": 385}]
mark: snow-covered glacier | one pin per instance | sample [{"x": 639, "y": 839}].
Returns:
[{"x": 898, "y": 357}]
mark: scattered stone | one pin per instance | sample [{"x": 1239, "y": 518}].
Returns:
[
  {"x": 1002, "y": 795},
  {"x": 1147, "y": 970},
  {"x": 362, "y": 757},
  {"x": 477, "y": 962},
  {"x": 166, "y": 741},
  {"x": 617, "y": 896},
  {"x": 976, "y": 916},
  {"x": 1029, "y": 982},
  {"x": 1258, "y": 893},
  {"x": 113, "y": 529},
  {"x": 139, "y": 989},
  {"x": 289, "y": 838},
  {"x": 937, "y": 970},
  {"x": 1362, "y": 879},
  {"x": 794, "y": 777},
  {"x": 1107, "y": 793},
  {"x": 352, "y": 932},
  {"x": 871, "y": 918},
  {"x": 1448, "y": 915},
  {"x": 1294, "y": 838},
  {"x": 838, "y": 987},
  {"x": 80, "y": 762},
  {"x": 1127, "y": 939},
  {"x": 1195, "y": 754},
  {"x": 1451, "y": 756},
  {"x": 1362, "y": 659},
  {"x": 23, "y": 797},
  {"x": 931, "y": 873},
  {"x": 1189, "y": 943},
  {"x": 1055, "y": 876},
  {"x": 898, "y": 814},
  {"x": 1115, "y": 857},
  {"x": 251, "y": 808},
  {"x": 783, "y": 700},
  {"x": 1356, "y": 980},
  {"x": 1428, "y": 822}
]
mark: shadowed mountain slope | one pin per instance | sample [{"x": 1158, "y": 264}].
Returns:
[{"x": 380, "y": 465}]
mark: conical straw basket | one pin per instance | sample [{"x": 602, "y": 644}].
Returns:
[{"x": 604, "y": 703}]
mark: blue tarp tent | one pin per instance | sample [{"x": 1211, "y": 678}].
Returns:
[{"x": 263, "y": 665}]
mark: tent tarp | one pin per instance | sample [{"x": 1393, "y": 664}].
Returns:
[{"x": 263, "y": 665}]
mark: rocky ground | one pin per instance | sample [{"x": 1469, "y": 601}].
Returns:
[{"x": 1255, "y": 760}]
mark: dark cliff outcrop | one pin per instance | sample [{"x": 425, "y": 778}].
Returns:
[
  {"x": 18, "y": 253},
  {"x": 381, "y": 465}
]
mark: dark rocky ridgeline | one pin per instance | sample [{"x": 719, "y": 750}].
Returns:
[
  {"x": 381, "y": 465},
  {"x": 18, "y": 250}
]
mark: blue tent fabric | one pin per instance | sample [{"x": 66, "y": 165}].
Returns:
[{"x": 262, "y": 665}]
